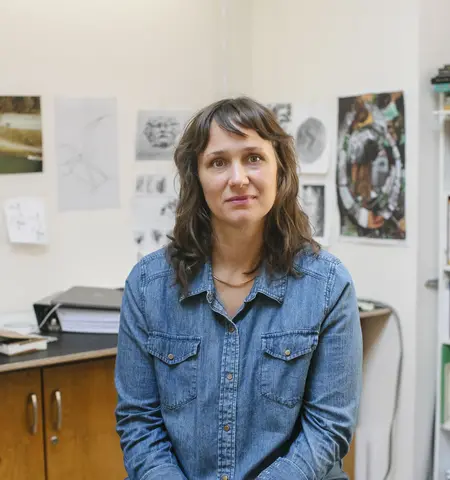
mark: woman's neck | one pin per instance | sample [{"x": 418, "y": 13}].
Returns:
[{"x": 236, "y": 250}]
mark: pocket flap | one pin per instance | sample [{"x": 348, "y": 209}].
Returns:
[
  {"x": 289, "y": 345},
  {"x": 172, "y": 349}
]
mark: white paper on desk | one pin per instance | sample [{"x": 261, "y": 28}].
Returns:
[{"x": 25, "y": 220}]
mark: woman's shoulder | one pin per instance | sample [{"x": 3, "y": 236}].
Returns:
[
  {"x": 151, "y": 266},
  {"x": 321, "y": 263}
]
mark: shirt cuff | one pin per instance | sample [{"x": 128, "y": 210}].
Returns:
[
  {"x": 164, "y": 472},
  {"x": 282, "y": 469}
]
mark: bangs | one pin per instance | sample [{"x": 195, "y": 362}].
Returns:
[{"x": 235, "y": 115}]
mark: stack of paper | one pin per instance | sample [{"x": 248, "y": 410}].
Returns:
[
  {"x": 13, "y": 343},
  {"x": 83, "y": 320}
]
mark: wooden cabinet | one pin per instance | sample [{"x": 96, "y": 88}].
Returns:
[
  {"x": 21, "y": 432},
  {"x": 349, "y": 462},
  {"x": 58, "y": 423}
]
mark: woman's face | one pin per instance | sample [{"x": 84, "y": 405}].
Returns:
[{"x": 238, "y": 175}]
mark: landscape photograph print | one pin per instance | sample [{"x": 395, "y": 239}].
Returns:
[{"x": 20, "y": 135}]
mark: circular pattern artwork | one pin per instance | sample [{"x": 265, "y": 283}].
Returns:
[{"x": 371, "y": 166}]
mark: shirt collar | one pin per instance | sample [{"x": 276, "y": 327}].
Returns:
[{"x": 271, "y": 285}]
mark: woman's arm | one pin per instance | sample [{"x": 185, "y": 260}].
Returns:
[
  {"x": 146, "y": 446},
  {"x": 332, "y": 393}
]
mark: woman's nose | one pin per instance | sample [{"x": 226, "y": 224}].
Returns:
[{"x": 238, "y": 175}]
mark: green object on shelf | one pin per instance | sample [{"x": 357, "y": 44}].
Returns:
[
  {"x": 441, "y": 87},
  {"x": 445, "y": 360}
]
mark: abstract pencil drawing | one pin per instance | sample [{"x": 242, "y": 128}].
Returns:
[
  {"x": 80, "y": 159},
  {"x": 158, "y": 133},
  {"x": 86, "y": 144}
]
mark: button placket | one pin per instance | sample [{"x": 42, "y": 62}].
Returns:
[{"x": 228, "y": 403}]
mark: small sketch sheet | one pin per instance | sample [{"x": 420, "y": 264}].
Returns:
[
  {"x": 310, "y": 127},
  {"x": 86, "y": 149},
  {"x": 153, "y": 208},
  {"x": 313, "y": 203},
  {"x": 25, "y": 220},
  {"x": 158, "y": 133}
]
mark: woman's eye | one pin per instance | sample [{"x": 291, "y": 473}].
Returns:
[
  {"x": 254, "y": 158},
  {"x": 218, "y": 162}
]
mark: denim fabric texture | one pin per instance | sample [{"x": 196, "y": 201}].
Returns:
[{"x": 271, "y": 394}]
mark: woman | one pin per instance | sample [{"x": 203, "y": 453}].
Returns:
[{"x": 239, "y": 353}]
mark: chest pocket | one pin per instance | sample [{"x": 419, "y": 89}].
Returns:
[
  {"x": 176, "y": 362},
  {"x": 285, "y": 363}
]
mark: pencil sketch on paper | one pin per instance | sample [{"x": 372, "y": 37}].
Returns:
[
  {"x": 86, "y": 148},
  {"x": 312, "y": 201},
  {"x": 25, "y": 220},
  {"x": 309, "y": 125},
  {"x": 153, "y": 218},
  {"x": 283, "y": 114},
  {"x": 154, "y": 184},
  {"x": 158, "y": 133}
]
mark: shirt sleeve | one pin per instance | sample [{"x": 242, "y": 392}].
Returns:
[
  {"x": 144, "y": 440},
  {"x": 333, "y": 390}
]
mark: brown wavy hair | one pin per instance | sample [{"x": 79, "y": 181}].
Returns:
[{"x": 287, "y": 229}]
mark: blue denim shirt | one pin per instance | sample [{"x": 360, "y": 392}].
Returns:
[{"x": 272, "y": 393}]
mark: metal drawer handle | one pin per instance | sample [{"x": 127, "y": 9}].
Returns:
[
  {"x": 58, "y": 400},
  {"x": 32, "y": 398}
]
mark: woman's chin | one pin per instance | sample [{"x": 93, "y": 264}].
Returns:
[{"x": 243, "y": 220}]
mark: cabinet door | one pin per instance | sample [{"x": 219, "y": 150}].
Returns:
[
  {"x": 349, "y": 461},
  {"x": 21, "y": 437},
  {"x": 81, "y": 441}
]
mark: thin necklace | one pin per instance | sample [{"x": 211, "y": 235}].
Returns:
[{"x": 234, "y": 285}]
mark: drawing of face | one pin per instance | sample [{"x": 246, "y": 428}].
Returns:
[
  {"x": 311, "y": 140},
  {"x": 283, "y": 113},
  {"x": 238, "y": 175},
  {"x": 162, "y": 131}
]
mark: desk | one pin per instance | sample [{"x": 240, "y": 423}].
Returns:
[
  {"x": 70, "y": 347},
  {"x": 378, "y": 314},
  {"x": 80, "y": 366}
]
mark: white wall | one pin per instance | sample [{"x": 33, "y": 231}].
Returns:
[
  {"x": 303, "y": 51},
  {"x": 147, "y": 54}
]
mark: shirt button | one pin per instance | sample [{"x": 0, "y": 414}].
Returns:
[
  {"x": 231, "y": 329},
  {"x": 209, "y": 297},
  {"x": 226, "y": 428},
  {"x": 224, "y": 477},
  {"x": 230, "y": 376},
  {"x": 170, "y": 356},
  {"x": 287, "y": 352}
]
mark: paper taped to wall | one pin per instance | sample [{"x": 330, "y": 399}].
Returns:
[
  {"x": 86, "y": 150},
  {"x": 153, "y": 209},
  {"x": 25, "y": 220}
]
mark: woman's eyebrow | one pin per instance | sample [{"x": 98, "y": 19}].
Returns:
[{"x": 245, "y": 149}]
